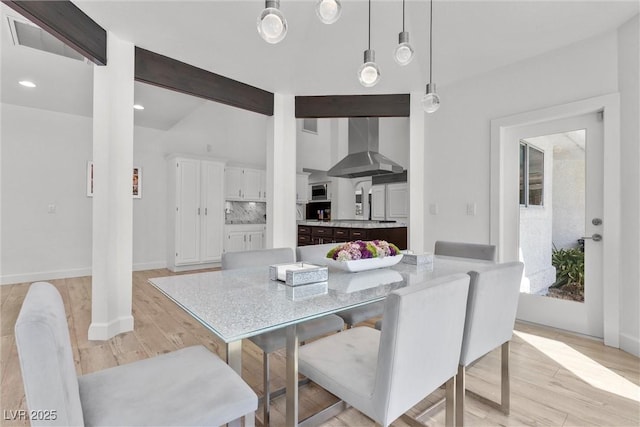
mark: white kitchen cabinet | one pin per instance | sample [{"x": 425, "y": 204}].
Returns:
[
  {"x": 255, "y": 240},
  {"x": 263, "y": 186},
  {"x": 302, "y": 188},
  {"x": 244, "y": 184},
  {"x": 233, "y": 183},
  {"x": 235, "y": 241},
  {"x": 196, "y": 216},
  {"x": 390, "y": 202},
  {"x": 244, "y": 237},
  {"x": 397, "y": 201},
  {"x": 252, "y": 184},
  {"x": 378, "y": 202}
]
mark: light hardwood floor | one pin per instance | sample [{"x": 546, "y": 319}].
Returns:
[{"x": 558, "y": 379}]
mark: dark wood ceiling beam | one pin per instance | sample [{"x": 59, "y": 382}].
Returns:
[
  {"x": 171, "y": 74},
  {"x": 65, "y": 21},
  {"x": 396, "y": 105}
]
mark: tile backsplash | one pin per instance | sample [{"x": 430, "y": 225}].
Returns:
[{"x": 245, "y": 212}]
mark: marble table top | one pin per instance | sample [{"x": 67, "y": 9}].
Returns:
[{"x": 237, "y": 304}]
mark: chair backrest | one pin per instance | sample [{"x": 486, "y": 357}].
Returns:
[
  {"x": 256, "y": 258},
  {"x": 465, "y": 250},
  {"x": 419, "y": 344},
  {"x": 46, "y": 358},
  {"x": 491, "y": 309},
  {"x": 314, "y": 253}
]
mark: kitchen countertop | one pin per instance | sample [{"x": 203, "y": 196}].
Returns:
[
  {"x": 351, "y": 223},
  {"x": 244, "y": 223}
]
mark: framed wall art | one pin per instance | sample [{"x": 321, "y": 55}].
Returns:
[{"x": 136, "y": 189}]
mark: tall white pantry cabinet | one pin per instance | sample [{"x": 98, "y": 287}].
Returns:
[{"x": 196, "y": 212}]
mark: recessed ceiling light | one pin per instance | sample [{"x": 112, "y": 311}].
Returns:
[
  {"x": 27, "y": 83},
  {"x": 138, "y": 107}
]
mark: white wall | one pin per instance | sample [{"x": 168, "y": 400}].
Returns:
[
  {"x": 457, "y": 146},
  {"x": 394, "y": 139},
  {"x": 629, "y": 87},
  {"x": 44, "y": 157},
  {"x": 230, "y": 133},
  {"x": 313, "y": 151},
  {"x": 461, "y": 153},
  {"x": 150, "y": 212}
]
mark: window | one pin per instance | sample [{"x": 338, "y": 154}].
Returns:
[
  {"x": 310, "y": 125},
  {"x": 531, "y": 175}
]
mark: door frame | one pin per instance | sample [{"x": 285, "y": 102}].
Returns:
[{"x": 504, "y": 218}]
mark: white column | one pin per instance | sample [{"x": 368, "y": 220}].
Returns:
[
  {"x": 417, "y": 211},
  {"x": 112, "y": 186},
  {"x": 281, "y": 174}
]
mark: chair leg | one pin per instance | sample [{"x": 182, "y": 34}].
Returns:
[
  {"x": 250, "y": 419},
  {"x": 450, "y": 411},
  {"x": 505, "y": 383},
  {"x": 265, "y": 397},
  {"x": 460, "y": 390}
]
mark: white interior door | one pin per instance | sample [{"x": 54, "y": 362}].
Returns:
[{"x": 556, "y": 206}]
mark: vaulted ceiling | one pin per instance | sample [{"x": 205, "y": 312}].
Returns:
[{"x": 469, "y": 38}]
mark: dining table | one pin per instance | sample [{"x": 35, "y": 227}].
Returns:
[{"x": 241, "y": 303}]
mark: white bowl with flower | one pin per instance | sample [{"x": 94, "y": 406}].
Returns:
[{"x": 364, "y": 255}]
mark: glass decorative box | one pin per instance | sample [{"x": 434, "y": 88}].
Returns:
[
  {"x": 296, "y": 293},
  {"x": 299, "y": 273},
  {"x": 417, "y": 259}
]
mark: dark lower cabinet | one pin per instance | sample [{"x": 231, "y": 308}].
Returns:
[{"x": 312, "y": 235}]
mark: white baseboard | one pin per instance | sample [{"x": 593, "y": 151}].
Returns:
[
  {"x": 44, "y": 276},
  {"x": 104, "y": 331},
  {"x": 190, "y": 267},
  {"x": 10, "y": 279},
  {"x": 155, "y": 265},
  {"x": 630, "y": 344}
]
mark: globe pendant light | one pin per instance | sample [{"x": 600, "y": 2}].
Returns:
[
  {"x": 431, "y": 100},
  {"x": 272, "y": 26},
  {"x": 404, "y": 51},
  {"x": 369, "y": 73},
  {"x": 328, "y": 10}
]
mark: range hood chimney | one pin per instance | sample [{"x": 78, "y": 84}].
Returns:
[{"x": 364, "y": 158}]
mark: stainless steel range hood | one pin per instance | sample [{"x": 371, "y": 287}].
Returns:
[{"x": 364, "y": 158}]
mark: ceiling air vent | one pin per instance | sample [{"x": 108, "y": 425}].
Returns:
[{"x": 30, "y": 35}]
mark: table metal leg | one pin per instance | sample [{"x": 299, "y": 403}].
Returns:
[
  {"x": 234, "y": 356},
  {"x": 292, "y": 376}
]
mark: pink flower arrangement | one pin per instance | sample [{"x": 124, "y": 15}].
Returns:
[{"x": 359, "y": 249}]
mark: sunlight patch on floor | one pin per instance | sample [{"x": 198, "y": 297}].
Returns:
[{"x": 583, "y": 367}]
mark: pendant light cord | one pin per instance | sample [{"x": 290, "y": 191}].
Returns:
[
  {"x": 403, "y": 16},
  {"x": 430, "y": 42},
  {"x": 369, "y": 24}
]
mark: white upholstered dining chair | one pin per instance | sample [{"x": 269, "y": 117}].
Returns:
[
  {"x": 275, "y": 340},
  {"x": 191, "y": 386},
  {"x": 385, "y": 373},
  {"x": 465, "y": 250},
  {"x": 491, "y": 313},
  {"x": 351, "y": 316}
]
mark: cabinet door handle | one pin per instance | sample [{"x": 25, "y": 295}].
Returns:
[
  {"x": 245, "y": 237},
  {"x": 205, "y": 211},
  {"x": 259, "y": 194},
  {"x": 249, "y": 237},
  {"x": 198, "y": 211}
]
